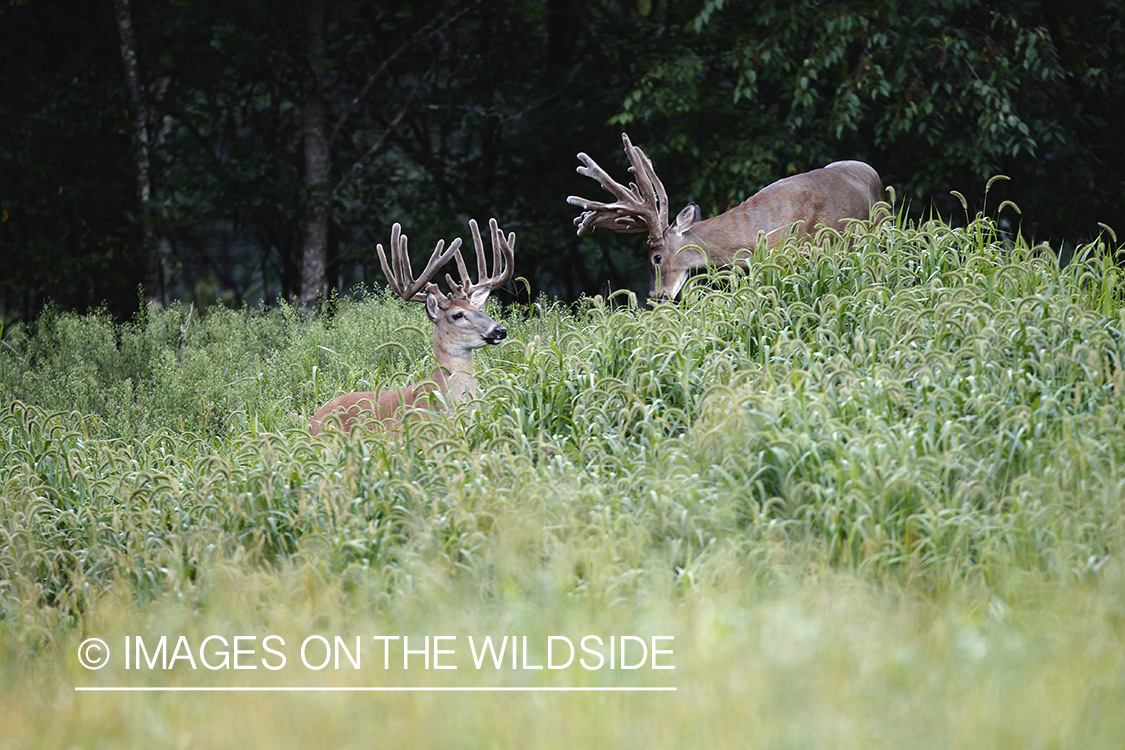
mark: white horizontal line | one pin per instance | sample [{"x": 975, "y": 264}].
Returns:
[{"x": 299, "y": 689}]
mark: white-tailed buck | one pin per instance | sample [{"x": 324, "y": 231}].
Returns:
[
  {"x": 460, "y": 326},
  {"x": 794, "y": 205}
]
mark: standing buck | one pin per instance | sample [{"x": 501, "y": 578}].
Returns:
[
  {"x": 460, "y": 326},
  {"x": 794, "y": 205}
]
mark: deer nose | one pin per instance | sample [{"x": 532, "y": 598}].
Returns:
[{"x": 496, "y": 335}]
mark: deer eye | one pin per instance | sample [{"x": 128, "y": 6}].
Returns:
[
  {"x": 458, "y": 315},
  {"x": 656, "y": 260}
]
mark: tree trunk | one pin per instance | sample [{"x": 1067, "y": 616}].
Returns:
[
  {"x": 314, "y": 256},
  {"x": 155, "y": 247}
]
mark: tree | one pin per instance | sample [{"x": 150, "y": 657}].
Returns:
[
  {"x": 938, "y": 96},
  {"x": 66, "y": 184},
  {"x": 285, "y": 137},
  {"x": 155, "y": 245},
  {"x": 314, "y": 262}
]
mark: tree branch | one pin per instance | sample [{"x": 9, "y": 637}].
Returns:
[
  {"x": 433, "y": 27},
  {"x": 354, "y": 171}
]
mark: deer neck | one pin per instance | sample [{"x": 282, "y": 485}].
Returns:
[
  {"x": 456, "y": 373},
  {"x": 716, "y": 238},
  {"x": 704, "y": 243}
]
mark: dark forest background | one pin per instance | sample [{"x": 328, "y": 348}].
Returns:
[{"x": 238, "y": 151}]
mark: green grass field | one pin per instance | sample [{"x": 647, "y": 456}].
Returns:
[{"x": 875, "y": 495}]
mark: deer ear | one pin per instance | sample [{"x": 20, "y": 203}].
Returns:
[
  {"x": 686, "y": 218},
  {"x": 479, "y": 297},
  {"x": 433, "y": 306}
]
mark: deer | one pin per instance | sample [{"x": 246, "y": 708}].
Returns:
[
  {"x": 460, "y": 328},
  {"x": 797, "y": 205}
]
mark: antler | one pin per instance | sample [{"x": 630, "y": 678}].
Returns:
[
  {"x": 399, "y": 274},
  {"x": 643, "y": 205},
  {"x": 503, "y": 265}
]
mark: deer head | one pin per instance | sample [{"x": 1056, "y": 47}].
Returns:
[
  {"x": 460, "y": 324},
  {"x": 460, "y": 327},
  {"x": 641, "y": 207}
]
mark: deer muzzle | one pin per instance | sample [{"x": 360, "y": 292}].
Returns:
[{"x": 496, "y": 335}]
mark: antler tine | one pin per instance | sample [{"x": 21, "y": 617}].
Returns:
[
  {"x": 641, "y": 206},
  {"x": 618, "y": 217},
  {"x": 650, "y": 186},
  {"x": 400, "y": 275},
  {"x": 503, "y": 262},
  {"x": 388, "y": 271},
  {"x": 462, "y": 290},
  {"x": 503, "y": 255}
]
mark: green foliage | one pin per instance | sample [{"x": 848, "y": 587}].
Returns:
[
  {"x": 934, "y": 95},
  {"x": 432, "y": 121},
  {"x": 807, "y": 663},
  {"x": 214, "y": 374},
  {"x": 880, "y": 475},
  {"x": 927, "y": 402}
]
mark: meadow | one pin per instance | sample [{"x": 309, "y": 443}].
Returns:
[{"x": 875, "y": 494}]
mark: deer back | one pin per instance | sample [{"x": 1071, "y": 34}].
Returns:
[
  {"x": 799, "y": 204},
  {"x": 372, "y": 410}
]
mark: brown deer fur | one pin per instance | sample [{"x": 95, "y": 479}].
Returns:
[{"x": 799, "y": 204}]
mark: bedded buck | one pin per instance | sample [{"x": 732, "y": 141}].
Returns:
[
  {"x": 795, "y": 205},
  {"x": 460, "y": 327}
]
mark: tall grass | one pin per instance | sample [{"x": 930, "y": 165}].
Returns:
[
  {"x": 929, "y": 402},
  {"x": 931, "y": 412}
]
